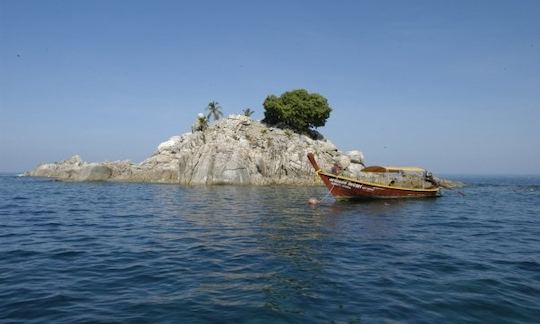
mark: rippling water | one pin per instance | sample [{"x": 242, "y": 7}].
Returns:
[{"x": 114, "y": 252}]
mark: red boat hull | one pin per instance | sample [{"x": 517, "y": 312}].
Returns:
[{"x": 346, "y": 188}]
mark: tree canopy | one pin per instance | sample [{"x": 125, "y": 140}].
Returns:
[{"x": 298, "y": 110}]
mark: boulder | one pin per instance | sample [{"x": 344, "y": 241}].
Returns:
[
  {"x": 93, "y": 172},
  {"x": 356, "y": 156},
  {"x": 343, "y": 161}
]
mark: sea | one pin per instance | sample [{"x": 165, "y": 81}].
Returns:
[{"x": 152, "y": 253}]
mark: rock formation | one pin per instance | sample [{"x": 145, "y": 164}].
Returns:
[{"x": 235, "y": 150}]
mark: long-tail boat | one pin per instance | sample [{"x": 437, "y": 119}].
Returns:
[{"x": 388, "y": 184}]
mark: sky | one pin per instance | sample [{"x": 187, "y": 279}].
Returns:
[{"x": 453, "y": 86}]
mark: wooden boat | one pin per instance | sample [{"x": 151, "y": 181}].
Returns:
[{"x": 342, "y": 187}]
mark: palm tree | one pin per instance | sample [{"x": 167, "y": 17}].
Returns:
[
  {"x": 248, "y": 112},
  {"x": 214, "y": 110}
]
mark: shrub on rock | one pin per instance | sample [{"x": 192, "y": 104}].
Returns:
[{"x": 298, "y": 110}]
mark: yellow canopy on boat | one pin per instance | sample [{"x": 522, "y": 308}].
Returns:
[{"x": 378, "y": 168}]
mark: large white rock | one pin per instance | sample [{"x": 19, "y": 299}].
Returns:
[
  {"x": 356, "y": 156},
  {"x": 170, "y": 143}
]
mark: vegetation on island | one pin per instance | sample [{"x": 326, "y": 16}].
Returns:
[
  {"x": 201, "y": 123},
  {"x": 247, "y": 112},
  {"x": 297, "y": 110},
  {"x": 214, "y": 110}
]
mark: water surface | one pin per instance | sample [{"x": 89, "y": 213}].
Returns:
[{"x": 111, "y": 252}]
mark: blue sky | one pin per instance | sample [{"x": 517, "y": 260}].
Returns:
[{"x": 453, "y": 86}]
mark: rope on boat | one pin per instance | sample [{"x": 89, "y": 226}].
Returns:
[{"x": 329, "y": 192}]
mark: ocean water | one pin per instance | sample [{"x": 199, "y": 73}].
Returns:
[{"x": 117, "y": 252}]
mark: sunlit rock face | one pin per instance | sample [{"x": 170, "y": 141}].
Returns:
[{"x": 234, "y": 150}]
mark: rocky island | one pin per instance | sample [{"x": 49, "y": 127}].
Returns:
[{"x": 234, "y": 150}]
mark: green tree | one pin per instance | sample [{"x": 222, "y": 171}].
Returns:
[
  {"x": 214, "y": 110},
  {"x": 298, "y": 110},
  {"x": 248, "y": 112}
]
